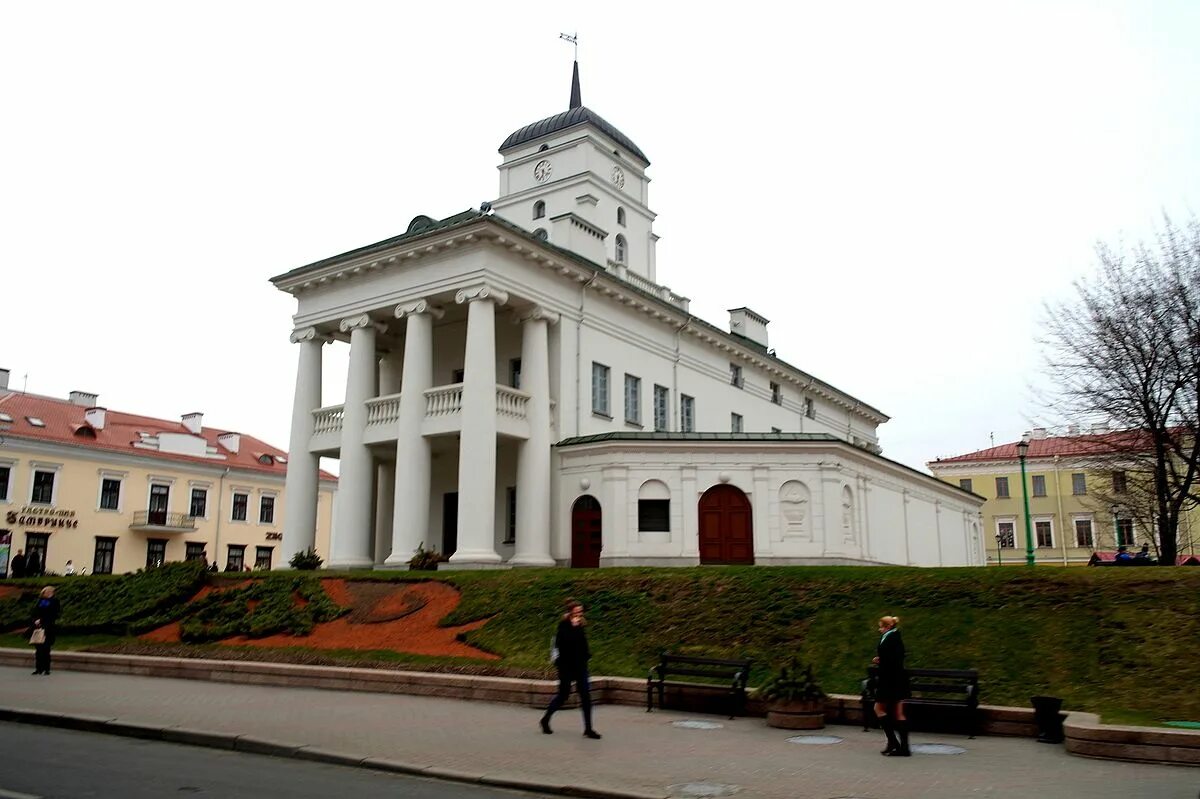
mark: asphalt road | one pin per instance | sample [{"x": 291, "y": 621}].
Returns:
[{"x": 45, "y": 763}]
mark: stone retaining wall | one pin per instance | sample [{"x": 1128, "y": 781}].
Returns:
[{"x": 1086, "y": 736}]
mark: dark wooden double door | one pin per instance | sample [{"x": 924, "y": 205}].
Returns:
[
  {"x": 586, "y": 537},
  {"x": 726, "y": 527}
]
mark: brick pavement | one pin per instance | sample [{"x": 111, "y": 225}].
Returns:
[{"x": 640, "y": 752}]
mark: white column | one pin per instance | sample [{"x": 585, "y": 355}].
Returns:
[
  {"x": 533, "y": 458},
  {"x": 352, "y": 523},
  {"x": 477, "y": 446},
  {"x": 410, "y": 519},
  {"x": 303, "y": 468}
]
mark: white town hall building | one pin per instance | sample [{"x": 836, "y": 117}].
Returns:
[{"x": 522, "y": 391}]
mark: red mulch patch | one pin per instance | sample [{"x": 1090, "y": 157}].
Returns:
[
  {"x": 396, "y": 617},
  {"x": 9, "y": 590}
]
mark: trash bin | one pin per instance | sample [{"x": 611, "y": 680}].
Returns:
[{"x": 1047, "y": 711}]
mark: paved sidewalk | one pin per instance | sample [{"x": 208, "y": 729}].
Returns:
[{"x": 641, "y": 753}]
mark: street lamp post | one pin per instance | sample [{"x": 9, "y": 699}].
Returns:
[
  {"x": 1116, "y": 526},
  {"x": 1022, "y": 451},
  {"x": 999, "y": 550}
]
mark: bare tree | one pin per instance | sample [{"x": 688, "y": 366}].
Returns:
[{"x": 1126, "y": 350}]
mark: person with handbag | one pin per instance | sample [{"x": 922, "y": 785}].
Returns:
[
  {"x": 892, "y": 688},
  {"x": 571, "y": 654},
  {"x": 45, "y": 628}
]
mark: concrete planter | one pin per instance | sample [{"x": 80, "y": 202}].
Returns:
[{"x": 797, "y": 715}]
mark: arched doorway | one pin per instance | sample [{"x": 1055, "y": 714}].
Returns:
[
  {"x": 726, "y": 526},
  {"x": 585, "y": 533}
]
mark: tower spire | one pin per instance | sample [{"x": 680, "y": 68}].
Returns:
[{"x": 576, "y": 100}]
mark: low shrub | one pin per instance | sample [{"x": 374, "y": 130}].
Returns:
[
  {"x": 307, "y": 560},
  {"x": 425, "y": 560}
]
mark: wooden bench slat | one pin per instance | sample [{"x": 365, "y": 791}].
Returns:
[{"x": 732, "y": 672}]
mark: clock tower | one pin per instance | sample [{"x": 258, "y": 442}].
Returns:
[{"x": 576, "y": 180}]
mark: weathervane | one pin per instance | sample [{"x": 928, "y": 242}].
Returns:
[{"x": 573, "y": 38}]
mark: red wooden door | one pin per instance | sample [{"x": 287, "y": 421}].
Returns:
[
  {"x": 726, "y": 526},
  {"x": 585, "y": 533}
]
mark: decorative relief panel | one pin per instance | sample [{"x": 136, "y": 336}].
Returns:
[{"x": 795, "y": 510}]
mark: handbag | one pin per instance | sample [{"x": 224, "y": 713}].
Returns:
[{"x": 38, "y": 636}]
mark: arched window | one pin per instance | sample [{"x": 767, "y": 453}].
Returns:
[
  {"x": 621, "y": 216},
  {"x": 654, "y": 507},
  {"x": 539, "y": 210},
  {"x": 620, "y": 255},
  {"x": 540, "y": 233}
]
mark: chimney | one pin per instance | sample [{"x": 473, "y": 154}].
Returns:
[
  {"x": 746, "y": 323},
  {"x": 84, "y": 398},
  {"x": 95, "y": 417},
  {"x": 1039, "y": 433},
  {"x": 230, "y": 441},
  {"x": 194, "y": 422},
  {"x": 3, "y": 380},
  {"x": 572, "y": 232}
]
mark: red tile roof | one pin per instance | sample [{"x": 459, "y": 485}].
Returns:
[
  {"x": 1051, "y": 446},
  {"x": 65, "y": 424}
]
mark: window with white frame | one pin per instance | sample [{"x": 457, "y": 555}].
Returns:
[
  {"x": 110, "y": 493},
  {"x": 633, "y": 399},
  {"x": 235, "y": 561},
  {"x": 736, "y": 423},
  {"x": 1039, "y": 485},
  {"x": 776, "y": 393},
  {"x": 620, "y": 216},
  {"x": 1043, "y": 533},
  {"x": 735, "y": 375},
  {"x": 198, "y": 506},
  {"x": 620, "y": 249},
  {"x": 1120, "y": 483},
  {"x": 1079, "y": 484},
  {"x": 1006, "y": 533},
  {"x": 1124, "y": 532},
  {"x": 965, "y": 484},
  {"x": 514, "y": 373},
  {"x": 266, "y": 509},
  {"x": 654, "y": 507},
  {"x": 241, "y": 504},
  {"x": 1083, "y": 533},
  {"x": 539, "y": 210},
  {"x": 1001, "y": 488},
  {"x": 510, "y": 515},
  {"x": 687, "y": 414},
  {"x": 810, "y": 408},
  {"x": 662, "y": 409},
  {"x": 262, "y": 558},
  {"x": 5, "y": 481},
  {"x": 600, "y": 375},
  {"x": 43, "y": 487}
]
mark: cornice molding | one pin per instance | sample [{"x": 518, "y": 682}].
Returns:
[
  {"x": 482, "y": 291},
  {"x": 421, "y": 306}
]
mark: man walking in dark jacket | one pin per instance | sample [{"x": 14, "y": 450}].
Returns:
[{"x": 571, "y": 644}]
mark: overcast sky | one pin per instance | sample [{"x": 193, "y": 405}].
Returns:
[{"x": 898, "y": 187}]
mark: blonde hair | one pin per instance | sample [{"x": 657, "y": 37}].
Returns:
[
  {"x": 48, "y": 591},
  {"x": 890, "y": 621}
]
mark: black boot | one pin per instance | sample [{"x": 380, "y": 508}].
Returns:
[
  {"x": 885, "y": 724},
  {"x": 590, "y": 733},
  {"x": 545, "y": 722},
  {"x": 902, "y": 750}
]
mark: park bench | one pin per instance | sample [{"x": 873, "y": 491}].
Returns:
[
  {"x": 957, "y": 689},
  {"x": 728, "y": 676}
]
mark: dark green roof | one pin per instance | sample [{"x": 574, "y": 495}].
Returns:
[{"x": 722, "y": 437}]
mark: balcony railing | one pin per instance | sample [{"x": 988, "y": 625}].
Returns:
[
  {"x": 443, "y": 401},
  {"x": 511, "y": 402},
  {"x": 328, "y": 420},
  {"x": 383, "y": 410},
  {"x": 160, "y": 519}
]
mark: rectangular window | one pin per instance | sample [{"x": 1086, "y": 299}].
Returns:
[
  {"x": 687, "y": 413},
  {"x": 735, "y": 422},
  {"x": 43, "y": 488},
  {"x": 600, "y": 374},
  {"x": 236, "y": 561},
  {"x": 810, "y": 408},
  {"x": 110, "y": 494},
  {"x": 633, "y": 399},
  {"x": 1078, "y": 484},
  {"x": 102, "y": 561},
  {"x": 266, "y": 510},
  {"x": 662, "y": 404},
  {"x": 735, "y": 375},
  {"x": 1120, "y": 483},
  {"x": 262, "y": 558},
  {"x": 36, "y": 545},
  {"x": 195, "y": 551},
  {"x": 1043, "y": 531},
  {"x": 156, "y": 552},
  {"x": 1083, "y": 533},
  {"x": 1039, "y": 485},
  {"x": 514, "y": 373},
  {"x": 199, "y": 505},
  {"x": 965, "y": 484},
  {"x": 510, "y": 515},
  {"x": 5, "y": 481},
  {"x": 1005, "y": 534},
  {"x": 776, "y": 393},
  {"x": 1001, "y": 488},
  {"x": 654, "y": 515},
  {"x": 1124, "y": 532},
  {"x": 240, "y": 503}
]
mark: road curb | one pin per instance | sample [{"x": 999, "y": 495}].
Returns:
[{"x": 298, "y": 751}]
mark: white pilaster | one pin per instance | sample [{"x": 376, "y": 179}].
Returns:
[
  {"x": 410, "y": 521},
  {"x": 533, "y": 458},
  {"x": 353, "y": 522},
  {"x": 303, "y": 469},
  {"x": 385, "y": 502},
  {"x": 477, "y": 447}
]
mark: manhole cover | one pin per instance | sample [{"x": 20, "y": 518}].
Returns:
[
  {"x": 696, "y": 724},
  {"x": 815, "y": 740},
  {"x": 937, "y": 749},
  {"x": 702, "y": 790}
]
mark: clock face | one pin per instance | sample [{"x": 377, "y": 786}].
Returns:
[
  {"x": 541, "y": 172},
  {"x": 618, "y": 177}
]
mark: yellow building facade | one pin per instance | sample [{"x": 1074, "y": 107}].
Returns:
[
  {"x": 1076, "y": 508},
  {"x": 108, "y": 492}
]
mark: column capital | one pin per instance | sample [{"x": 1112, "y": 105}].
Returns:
[
  {"x": 307, "y": 334},
  {"x": 418, "y": 307},
  {"x": 359, "y": 321},
  {"x": 538, "y": 313},
  {"x": 483, "y": 291}
]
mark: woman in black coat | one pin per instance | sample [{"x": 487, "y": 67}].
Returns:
[
  {"x": 570, "y": 643},
  {"x": 45, "y": 617},
  {"x": 891, "y": 688}
]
